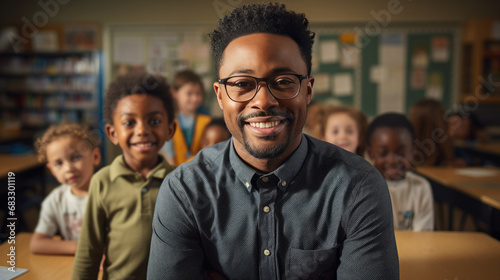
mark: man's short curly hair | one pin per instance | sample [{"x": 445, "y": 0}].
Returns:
[
  {"x": 138, "y": 83},
  {"x": 89, "y": 140},
  {"x": 270, "y": 18}
]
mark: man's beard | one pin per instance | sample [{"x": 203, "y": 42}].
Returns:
[{"x": 269, "y": 152}]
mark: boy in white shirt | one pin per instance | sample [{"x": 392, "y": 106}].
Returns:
[
  {"x": 389, "y": 141},
  {"x": 70, "y": 152}
]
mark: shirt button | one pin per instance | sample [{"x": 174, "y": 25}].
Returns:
[
  {"x": 283, "y": 183},
  {"x": 144, "y": 190},
  {"x": 267, "y": 252},
  {"x": 266, "y": 209},
  {"x": 265, "y": 179},
  {"x": 247, "y": 184}
]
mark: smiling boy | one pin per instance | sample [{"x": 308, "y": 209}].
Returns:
[{"x": 139, "y": 112}]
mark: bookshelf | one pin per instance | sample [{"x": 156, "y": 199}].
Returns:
[
  {"x": 38, "y": 89},
  {"x": 481, "y": 62}
]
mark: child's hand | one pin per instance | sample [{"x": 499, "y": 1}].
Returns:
[{"x": 212, "y": 275}]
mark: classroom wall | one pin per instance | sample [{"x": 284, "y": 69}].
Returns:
[{"x": 198, "y": 11}]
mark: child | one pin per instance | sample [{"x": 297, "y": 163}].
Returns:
[
  {"x": 345, "y": 127},
  {"x": 70, "y": 152},
  {"x": 188, "y": 93},
  {"x": 215, "y": 132},
  {"x": 389, "y": 140},
  {"x": 139, "y": 112},
  {"x": 315, "y": 113},
  {"x": 433, "y": 145},
  {"x": 465, "y": 131}
]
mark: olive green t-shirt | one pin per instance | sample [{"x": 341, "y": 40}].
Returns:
[{"x": 117, "y": 222}]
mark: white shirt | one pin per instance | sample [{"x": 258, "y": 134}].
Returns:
[
  {"x": 62, "y": 212},
  {"x": 412, "y": 203}
]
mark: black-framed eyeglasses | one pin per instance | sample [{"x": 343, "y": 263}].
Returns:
[{"x": 244, "y": 88}]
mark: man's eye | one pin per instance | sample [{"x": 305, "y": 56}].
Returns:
[
  {"x": 156, "y": 121},
  {"x": 128, "y": 123}
]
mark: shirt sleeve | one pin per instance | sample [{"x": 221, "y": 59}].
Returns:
[
  {"x": 174, "y": 235},
  {"x": 92, "y": 236},
  {"x": 47, "y": 222},
  {"x": 369, "y": 249},
  {"x": 424, "y": 214}
]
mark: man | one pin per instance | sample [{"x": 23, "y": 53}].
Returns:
[{"x": 271, "y": 203}]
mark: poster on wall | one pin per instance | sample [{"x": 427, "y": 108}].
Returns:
[{"x": 440, "y": 49}]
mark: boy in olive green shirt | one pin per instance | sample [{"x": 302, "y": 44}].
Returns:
[{"x": 139, "y": 116}]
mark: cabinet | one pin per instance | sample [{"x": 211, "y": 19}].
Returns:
[
  {"x": 481, "y": 62},
  {"x": 44, "y": 88}
]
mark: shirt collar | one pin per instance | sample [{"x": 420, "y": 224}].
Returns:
[
  {"x": 119, "y": 168},
  {"x": 285, "y": 172}
]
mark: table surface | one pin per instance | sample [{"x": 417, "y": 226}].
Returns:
[
  {"x": 490, "y": 148},
  {"x": 448, "y": 255},
  {"x": 17, "y": 163},
  {"x": 485, "y": 188},
  {"x": 422, "y": 255}
]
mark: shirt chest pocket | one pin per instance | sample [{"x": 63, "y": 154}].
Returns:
[{"x": 312, "y": 264}]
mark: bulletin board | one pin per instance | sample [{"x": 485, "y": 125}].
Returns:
[
  {"x": 164, "y": 50},
  {"x": 377, "y": 70},
  {"x": 386, "y": 69}
]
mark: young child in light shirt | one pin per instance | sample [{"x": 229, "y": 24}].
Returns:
[{"x": 71, "y": 152}]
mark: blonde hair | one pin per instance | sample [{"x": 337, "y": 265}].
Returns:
[
  {"x": 358, "y": 116},
  {"x": 90, "y": 140}
]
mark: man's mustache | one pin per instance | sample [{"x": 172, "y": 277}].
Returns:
[{"x": 274, "y": 112}]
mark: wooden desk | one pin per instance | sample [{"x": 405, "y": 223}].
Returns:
[
  {"x": 488, "y": 151},
  {"x": 478, "y": 196},
  {"x": 17, "y": 163},
  {"x": 447, "y": 255},
  {"x": 40, "y": 267},
  {"x": 422, "y": 255}
]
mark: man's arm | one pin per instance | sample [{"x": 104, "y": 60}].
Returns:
[
  {"x": 369, "y": 250},
  {"x": 176, "y": 251}
]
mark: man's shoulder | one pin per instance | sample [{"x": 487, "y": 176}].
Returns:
[
  {"x": 208, "y": 159},
  {"x": 325, "y": 154}
]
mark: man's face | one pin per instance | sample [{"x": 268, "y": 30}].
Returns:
[{"x": 264, "y": 127}]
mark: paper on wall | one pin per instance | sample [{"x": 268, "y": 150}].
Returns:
[
  {"x": 321, "y": 84},
  {"x": 329, "y": 51},
  {"x": 342, "y": 84},
  {"x": 129, "y": 50},
  {"x": 350, "y": 56}
]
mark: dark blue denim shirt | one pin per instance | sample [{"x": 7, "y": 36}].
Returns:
[{"x": 323, "y": 214}]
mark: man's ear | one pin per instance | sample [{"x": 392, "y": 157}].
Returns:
[
  {"x": 310, "y": 85},
  {"x": 218, "y": 93},
  {"x": 110, "y": 131}
]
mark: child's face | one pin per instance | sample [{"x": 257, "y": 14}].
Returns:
[
  {"x": 71, "y": 162},
  {"x": 459, "y": 127},
  {"x": 341, "y": 130},
  {"x": 140, "y": 127},
  {"x": 189, "y": 98},
  {"x": 391, "y": 149},
  {"x": 213, "y": 135}
]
